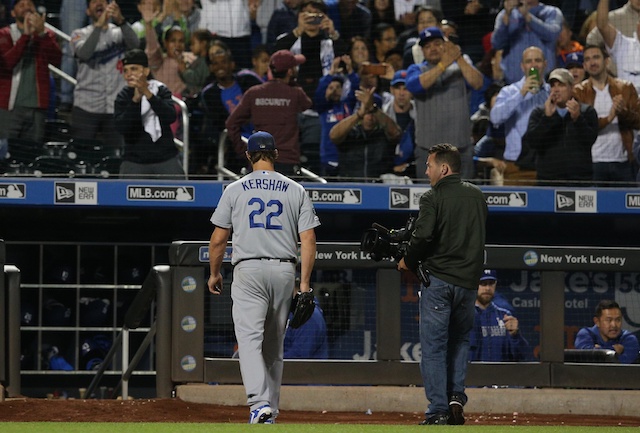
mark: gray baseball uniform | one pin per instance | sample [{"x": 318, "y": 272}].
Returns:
[{"x": 266, "y": 211}]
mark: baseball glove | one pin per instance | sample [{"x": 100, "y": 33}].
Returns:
[{"x": 302, "y": 307}]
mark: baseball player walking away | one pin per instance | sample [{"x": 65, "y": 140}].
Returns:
[{"x": 267, "y": 212}]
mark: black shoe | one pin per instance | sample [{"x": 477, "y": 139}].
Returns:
[
  {"x": 456, "y": 414},
  {"x": 436, "y": 418}
]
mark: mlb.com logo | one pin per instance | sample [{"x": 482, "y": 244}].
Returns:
[{"x": 83, "y": 193}]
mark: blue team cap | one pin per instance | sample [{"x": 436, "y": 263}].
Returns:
[
  {"x": 261, "y": 141},
  {"x": 430, "y": 33},
  {"x": 488, "y": 274},
  {"x": 400, "y": 77},
  {"x": 574, "y": 60}
]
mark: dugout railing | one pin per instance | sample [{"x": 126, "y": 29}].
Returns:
[{"x": 185, "y": 335}]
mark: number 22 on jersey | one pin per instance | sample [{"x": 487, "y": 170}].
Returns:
[{"x": 265, "y": 216}]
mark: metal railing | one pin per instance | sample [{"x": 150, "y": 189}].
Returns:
[{"x": 223, "y": 171}]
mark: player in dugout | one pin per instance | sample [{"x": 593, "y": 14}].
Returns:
[{"x": 607, "y": 333}]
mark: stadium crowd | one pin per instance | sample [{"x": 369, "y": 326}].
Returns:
[{"x": 387, "y": 80}]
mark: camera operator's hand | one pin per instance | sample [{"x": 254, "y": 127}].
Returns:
[{"x": 402, "y": 266}]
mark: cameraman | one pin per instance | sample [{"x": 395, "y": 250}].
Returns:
[{"x": 448, "y": 242}]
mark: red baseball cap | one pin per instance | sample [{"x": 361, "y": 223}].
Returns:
[{"x": 283, "y": 60}]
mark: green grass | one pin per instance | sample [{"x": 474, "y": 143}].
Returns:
[{"x": 80, "y": 427}]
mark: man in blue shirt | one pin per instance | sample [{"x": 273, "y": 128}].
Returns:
[
  {"x": 607, "y": 333},
  {"x": 523, "y": 24},
  {"x": 496, "y": 336}
]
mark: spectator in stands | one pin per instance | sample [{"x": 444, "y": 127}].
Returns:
[
  {"x": 574, "y": 64},
  {"x": 283, "y": 20},
  {"x": 316, "y": 38},
  {"x": 148, "y": 8},
  {"x": 73, "y": 16},
  {"x": 440, "y": 86},
  {"x": 219, "y": 99},
  {"x": 625, "y": 50},
  {"x": 409, "y": 40},
  {"x": 190, "y": 12},
  {"x": 402, "y": 110},
  {"x": 167, "y": 13},
  {"x": 384, "y": 39},
  {"x": 260, "y": 63},
  {"x": 588, "y": 25},
  {"x": 524, "y": 24},
  {"x": 319, "y": 42},
  {"x": 566, "y": 45},
  {"x": 193, "y": 66},
  {"x": 366, "y": 140},
  {"x": 359, "y": 52},
  {"x": 616, "y": 102},
  {"x": 383, "y": 11},
  {"x": 607, "y": 333},
  {"x": 99, "y": 48},
  {"x": 561, "y": 132},
  {"x": 489, "y": 149},
  {"x": 309, "y": 341},
  {"x": 350, "y": 17},
  {"x": 495, "y": 336},
  {"x": 26, "y": 49},
  {"x": 273, "y": 107},
  {"x": 622, "y": 18},
  {"x": 165, "y": 59},
  {"x": 513, "y": 106},
  {"x": 475, "y": 18},
  {"x": 231, "y": 22},
  {"x": 144, "y": 112},
  {"x": 334, "y": 101}
]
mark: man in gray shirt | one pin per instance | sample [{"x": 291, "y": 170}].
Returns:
[
  {"x": 440, "y": 88},
  {"x": 98, "y": 48}
]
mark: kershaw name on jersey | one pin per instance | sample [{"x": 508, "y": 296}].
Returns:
[{"x": 270, "y": 184}]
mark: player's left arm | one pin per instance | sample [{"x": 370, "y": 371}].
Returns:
[
  {"x": 307, "y": 257},
  {"x": 217, "y": 247}
]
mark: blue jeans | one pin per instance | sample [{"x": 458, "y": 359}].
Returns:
[{"x": 446, "y": 319}]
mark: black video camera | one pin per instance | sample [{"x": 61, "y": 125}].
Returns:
[{"x": 382, "y": 243}]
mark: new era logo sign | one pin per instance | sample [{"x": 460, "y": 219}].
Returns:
[
  {"x": 399, "y": 199},
  {"x": 84, "y": 193},
  {"x": 63, "y": 193},
  {"x": 564, "y": 201},
  {"x": 578, "y": 201}
]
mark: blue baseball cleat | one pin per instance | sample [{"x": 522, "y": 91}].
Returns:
[{"x": 261, "y": 415}]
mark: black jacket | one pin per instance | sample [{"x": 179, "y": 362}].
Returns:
[
  {"x": 562, "y": 146},
  {"x": 139, "y": 147},
  {"x": 450, "y": 232}
]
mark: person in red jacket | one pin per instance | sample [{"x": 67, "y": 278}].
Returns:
[{"x": 26, "y": 50}]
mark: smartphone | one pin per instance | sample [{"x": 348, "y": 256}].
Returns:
[
  {"x": 315, "y": 18},
  {"x": 374, "y": 69},
  {"x": 535, "y": 73}
]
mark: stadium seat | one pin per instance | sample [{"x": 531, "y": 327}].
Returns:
[
  {"x": 46, "y": 164},
  {"x": 57, "y": 130},
  {"x": 24, "y": 151},
  {"x": 109, "y": 166}
]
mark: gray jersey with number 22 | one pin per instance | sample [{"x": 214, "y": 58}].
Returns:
[{"x": 266, "y": 210}]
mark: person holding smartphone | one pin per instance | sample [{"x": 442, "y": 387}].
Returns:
[
  {"x": 521, "y": 24},
  {"x": 320, "y": 43}
]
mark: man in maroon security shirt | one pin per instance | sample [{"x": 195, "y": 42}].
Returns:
[{"x": 274, "y": 107}]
